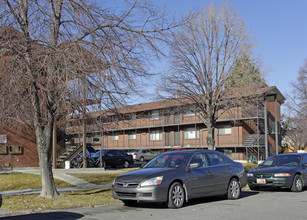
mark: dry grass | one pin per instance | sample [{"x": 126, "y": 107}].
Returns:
[
  {"x": 250, "y": 166},
  {"x": 66, "y": 200},
  {"x": 20, "y": 181}
]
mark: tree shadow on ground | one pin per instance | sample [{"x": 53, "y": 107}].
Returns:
[
  {"x": 47, "y": 216},
  {"x": 191, "y": 202}
]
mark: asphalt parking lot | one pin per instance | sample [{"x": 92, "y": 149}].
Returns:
[{"x": 253, "y": 205}]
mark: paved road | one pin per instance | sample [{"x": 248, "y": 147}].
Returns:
[{"x": 262, "y": 205}]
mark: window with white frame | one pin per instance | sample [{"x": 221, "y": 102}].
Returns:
[
  {"x": 191, "y": 133},
  {"x": 155, "y": 135},
  {"x": 224, "y": 129},
  {"x": 132, "y": 135},
  {"x": 114, "y": 137},
  {"x": 96, "y": 138},
  {"x": 132, "y": 117},
  {"x": 154, "y": 115},
  {"x": 190, "y": 111}
]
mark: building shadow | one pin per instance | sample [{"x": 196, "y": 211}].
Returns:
[{"x": 47, "y": 216}]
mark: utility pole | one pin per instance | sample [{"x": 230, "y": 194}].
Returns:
[{"x": 83, "y": 121}]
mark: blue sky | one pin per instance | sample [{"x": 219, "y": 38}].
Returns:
[{"x": 278, "y": 29}]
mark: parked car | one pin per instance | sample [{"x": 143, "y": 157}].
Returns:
[
  {"x": 281, "y": 171},
  {"x": 177, "y": 176},
  {"x": 113, "y": 158},
  {"x": 143, "y": 155},
  {"x": 77, "y": 162}
]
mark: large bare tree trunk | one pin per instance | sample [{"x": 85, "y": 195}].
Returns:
[{"x": 48, "y": 185}]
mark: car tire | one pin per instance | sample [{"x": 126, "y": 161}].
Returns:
[
  {"x": 126, "y": 164},
  {"x": 129, "y": 202},
  {"x": 176, "y": 196},
  {"x": 141, "y": 159},
  {"x": 234, "y": 189},
  {"x": 297, "y": 185}
]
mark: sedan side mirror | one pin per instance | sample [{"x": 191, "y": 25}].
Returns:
[{"x": 192, "y": 166}]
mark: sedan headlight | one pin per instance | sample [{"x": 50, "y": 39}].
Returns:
[
  {"x": 250, "y": 174},
  {"x": 114, "y": 182},
  {"x": 282, "y": 174},
  {"x": 153, "y": 181}
]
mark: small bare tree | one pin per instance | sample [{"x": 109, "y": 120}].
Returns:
[
  {"x": 56, "y": 54},
  {"x": 203, "y": 55},
  {"x": 296, "y": 135}
]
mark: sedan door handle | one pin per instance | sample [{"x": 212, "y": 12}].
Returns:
[{"x": 209, "y": 171}]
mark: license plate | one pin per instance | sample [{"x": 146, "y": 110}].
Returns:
[{"x": 261, "y": 181}]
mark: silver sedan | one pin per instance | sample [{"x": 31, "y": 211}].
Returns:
[{"x": 175, "y": 177}]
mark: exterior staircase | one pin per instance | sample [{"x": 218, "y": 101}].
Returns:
[
  {"x": 255, "y": 144},
  {"x": 69, "y": 154}
]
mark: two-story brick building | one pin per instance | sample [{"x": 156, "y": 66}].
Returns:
[{"x": 168, "y": 124}]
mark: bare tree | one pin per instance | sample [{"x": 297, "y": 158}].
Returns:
[
  {"x": 57, "y": 54},
  {"x": 203, "y": 55},
  {"x": 296, "y": 134}
]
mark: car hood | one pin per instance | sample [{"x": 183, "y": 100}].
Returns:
[
  {"x": 138, "y": 176},
  {"x": 276, "y": 169}
]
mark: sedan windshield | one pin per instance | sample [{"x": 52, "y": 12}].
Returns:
[
  {"x": 168, "y": 160},
  {"x": 285, "y": 160}
]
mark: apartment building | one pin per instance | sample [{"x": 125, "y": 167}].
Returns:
[{"x": 172, "y": 124}]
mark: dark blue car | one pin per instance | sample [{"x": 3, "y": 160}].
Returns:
[{"x": 281, "y": 171}]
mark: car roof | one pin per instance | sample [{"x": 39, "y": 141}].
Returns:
[
  {"x": 190, "y": 151},
  {"x": 287, "y": 154}
]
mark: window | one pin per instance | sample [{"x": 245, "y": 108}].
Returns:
[
  {"x": 155, "y": 135},
  {"x": 154, "y": 115},
  {"x": 191, "y": 111},
  {"x": 96, "y": 138},
  {"x": 226, "y": 129},
  {"x": 132, "y": 117},
  {"x": 305, "y": 159},
  {"x": 132, "y": 136},
  {"x": 201, "y": 159},
  {"x": 114, "y": 137},
  {"x": 191, "y": 133},
  {"x": 215, "y": 159}
]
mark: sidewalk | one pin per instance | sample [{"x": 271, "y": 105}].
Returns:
[
  {"x": 64, "y": 175},
  {"x": 61, "y": 174}
]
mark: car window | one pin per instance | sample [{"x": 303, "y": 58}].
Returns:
[
  {"x": 215, "y": 159},
  {"x": 119, "y": 153},
  {"x": 111, "y": 153},
  {"x": 282, "y": 160},
  {"x": 168, "y": 160},
  {"x": 201, "y": 159},
  {"x": 305, "y": 159}
]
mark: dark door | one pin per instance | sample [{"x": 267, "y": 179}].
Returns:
[
  {"x": 220, "y": 170},
  {"x": 176, "y": 118},
  {"x": 167, "y": 137},
  {"x": 177, "y": 137},
  {"x": 199, "y": 179},
  {"x": 167, "y": 119}
]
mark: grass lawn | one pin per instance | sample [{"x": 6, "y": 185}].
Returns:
[
  {"x": 66, "y": 200},
  {"x": 74, "y": 199},
  {"x": 19, "y": 181}
]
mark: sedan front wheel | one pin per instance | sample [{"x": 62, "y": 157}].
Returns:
[
  {"x": 176, "y": 196},
  {"x": 297, "y": 185}
]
